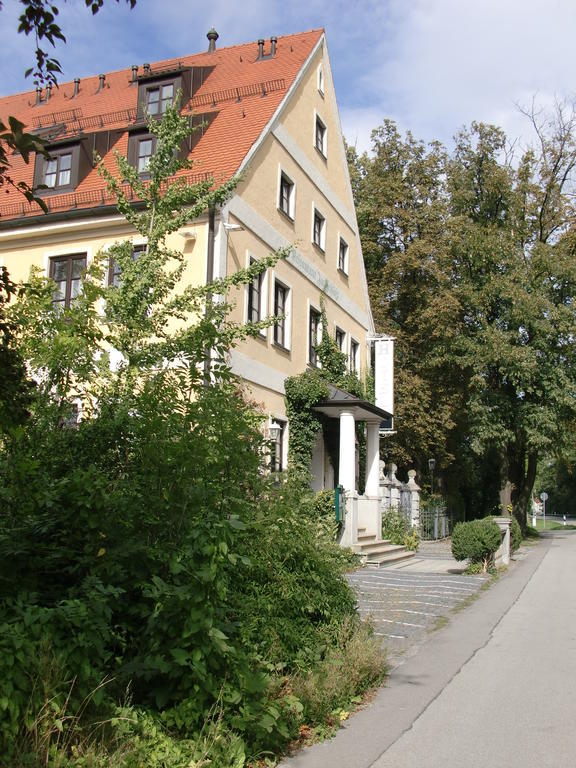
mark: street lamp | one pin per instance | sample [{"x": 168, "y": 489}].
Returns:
[
  {"x": 274, "y": 431},
  {"x": 431, "y": 467}
]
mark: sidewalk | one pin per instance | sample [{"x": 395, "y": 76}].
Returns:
[{"x": 420, "y": 677}]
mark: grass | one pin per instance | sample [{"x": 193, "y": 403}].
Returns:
[{"x": 553, "y": 524}]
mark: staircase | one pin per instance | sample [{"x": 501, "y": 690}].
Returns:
[{"x": 380, "y": 553}]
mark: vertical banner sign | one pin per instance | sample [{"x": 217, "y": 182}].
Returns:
[{"x": 384, "y": 373}]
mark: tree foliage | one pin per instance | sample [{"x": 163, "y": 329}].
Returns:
[{"x": 470, "y": 257}]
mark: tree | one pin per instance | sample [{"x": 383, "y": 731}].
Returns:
[
  {"x": 402, "y": 211},
  {"x": 470, "y": 263}
]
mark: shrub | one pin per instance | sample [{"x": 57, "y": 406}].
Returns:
[
  {"x": 397, "y": 529},
  {"x": 476, "y": 541},
  {"x": 515, "y": 535}
]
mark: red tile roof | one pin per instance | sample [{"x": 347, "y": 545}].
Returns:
[{"x": 242, "y": 90}]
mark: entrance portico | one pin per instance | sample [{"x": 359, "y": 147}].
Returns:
[{"x": 362, "y": 511}]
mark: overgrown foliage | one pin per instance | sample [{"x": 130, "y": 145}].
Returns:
[
  {"x": 143, "y": 555},
  {"x": 476, "y": 541},
  {"x": 397, "y": 529}
]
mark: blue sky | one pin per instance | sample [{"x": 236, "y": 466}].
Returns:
[{"x": 430, "y": 65}]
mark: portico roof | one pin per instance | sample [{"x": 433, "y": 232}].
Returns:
[{"x": 339, "y": 400}]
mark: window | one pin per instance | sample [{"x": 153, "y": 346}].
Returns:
[
  {"x": 318, "y": 230},
  {"x": 354, "y": 356},
  {"x": 282, "y": 312},
  {"x": 256, "y": 301},
  {"x": 114, "y": 269},
  {"x": 314, "y": 336},
  {"x": 286, "y": 198},
  {"x": 340, "y": 338},
  {"x": 320, "y": 137},
  {"x": 343, "y": 255},
  {"x": 62, "y": 170},
  {"x": 145, "y": 152},
  {"x": 67, "y": 273},
  {"x": 321, "y": 80},
  {"x": 158, "y": 99},
  {"x": 57, "y": 170}
]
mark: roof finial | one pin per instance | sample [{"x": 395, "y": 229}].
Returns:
[{"x": 212, "y": 37}]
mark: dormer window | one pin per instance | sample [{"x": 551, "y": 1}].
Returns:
[
  {"x": 145, "y": 152},
  {"x": 57, "y": 170},
  {"x": 158, "y": 99},
  {"x": 62, "y": 170}
]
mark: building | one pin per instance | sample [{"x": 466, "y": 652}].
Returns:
[{"x": 266, "y": 110}]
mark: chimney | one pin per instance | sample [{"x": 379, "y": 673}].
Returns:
[
  {"x": 273, "y": 41},
  {"x": 146, "y": 69},
  {"x": 76, "y": 87},
  {"x": 134, "y": 72},
  {"x": 261, "y": 48},
  {"x": 48, "y": 92},
  {"x": 101, "y": 78},
  {"x": 212, "y": 37},
  {"x": 38, "y": 96}
]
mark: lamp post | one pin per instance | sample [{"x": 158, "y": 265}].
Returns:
[
  {"x": 431, "y": 467},
  {"x": 275, "y": 430}
]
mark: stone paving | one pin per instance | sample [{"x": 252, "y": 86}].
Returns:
[{"x": 406, "y": 602}]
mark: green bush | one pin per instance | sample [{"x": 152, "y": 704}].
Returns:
[
  {"x": 397, "y": 529},
  {"x": 515, "y": 535},
  {"x": 476, "y": 541}
]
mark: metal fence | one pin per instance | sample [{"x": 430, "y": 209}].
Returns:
[{"x": 435, "y": 522}]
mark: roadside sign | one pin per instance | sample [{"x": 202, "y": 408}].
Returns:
[{"x": 544, "y": 496}]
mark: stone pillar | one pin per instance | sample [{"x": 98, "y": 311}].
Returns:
[
  {"x": 394, "y": 486},
  {"x": 384, "y": 487},
  {"x": 347, "y": 469},
  {"x": 372, "y": 457},
  {"x": 503, "y": 553},
  {"x": 414, "y": 489}
]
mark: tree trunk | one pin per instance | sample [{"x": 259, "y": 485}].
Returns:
[{"x": 522, "y": 465}]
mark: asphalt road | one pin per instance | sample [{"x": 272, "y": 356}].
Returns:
[{"x": 495, "y": 687}]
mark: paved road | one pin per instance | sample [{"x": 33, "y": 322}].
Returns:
[{"x": 496, "y": 687}]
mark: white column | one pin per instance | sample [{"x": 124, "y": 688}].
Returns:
[
  {"x": 347, "y": 468},
  {"x": 372, "y": 458}
]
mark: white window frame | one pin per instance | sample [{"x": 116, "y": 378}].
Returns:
[
  {"x": 312, "y": 308},
  {"x": 354, "y": 359},
  {"x": 290, "y": 213},
  {"x": 322, "y": 243},
  {"x": 320, "y": 81},
  {"x": 346, "y": 269},
  {"x": 323, "y": 152},
  {"x": 263, "y": 298},
  {"x": 344, "y": 346},
  {"x": 287, "y": 312}
]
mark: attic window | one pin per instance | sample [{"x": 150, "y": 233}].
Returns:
[
  {"x": 320, "y": 80},
  {"x": 320, "y": 136},
  {"x": 141, "y": 147},
  {"x": 62, "y": 170},
  {"x": 57, "y": 170},
  {"x": 156, "y": 95},
  {"x": 158, "y": 99}
]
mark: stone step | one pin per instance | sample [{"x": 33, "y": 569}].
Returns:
[
  {"x": 380, "y": 546},
  {"x": 388, "y": 558}
]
